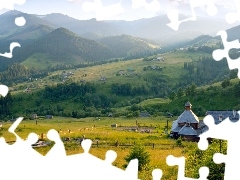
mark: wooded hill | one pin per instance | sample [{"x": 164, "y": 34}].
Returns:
[
  {"x": 63, "y": 46},
  {"x": 87, "y": 93}
]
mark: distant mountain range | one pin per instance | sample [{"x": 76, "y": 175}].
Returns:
[{"x": 65, "y": 39}]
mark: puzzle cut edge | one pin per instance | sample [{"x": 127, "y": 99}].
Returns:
[{"x": 220, "y": 54}]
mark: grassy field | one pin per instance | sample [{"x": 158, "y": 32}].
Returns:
[
  {"x": 95, "y": 129},
  {"x": 172, "y": 69}
]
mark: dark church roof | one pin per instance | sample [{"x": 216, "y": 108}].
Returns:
[
  {"x": 188, "y": 116},
  {"x": 187, "y": 130}
]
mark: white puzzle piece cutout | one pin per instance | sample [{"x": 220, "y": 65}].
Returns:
[
  {"x": 234, "y": 16},
  {"x": 103, "y": 12},
  {"x": 219, "y": 54},
  {"x": 180, "y": 162},
  {"x": 153, "y": 6},
  {"x": 173, "y": 14},
  {"x": 228, "y": 131}
]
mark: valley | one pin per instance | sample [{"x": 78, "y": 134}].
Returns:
[{"x": 118, "y": 83}]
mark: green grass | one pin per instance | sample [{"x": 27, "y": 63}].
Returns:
[
  {"x": 154, "y": 101},
  {"x": 173, "y": 69},
  {"x": 42, "y": 61}
]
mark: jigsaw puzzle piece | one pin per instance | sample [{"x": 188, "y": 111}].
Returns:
[
  {"x": 20, "y": 21},
  {"x": 153, "y": 6},
  {"x": 12, "y": 46},
  {"x": 219, "y": 54},
  {"x": 3, "y": 90},
  {"x": 91, "y": 167},
  {"x": 180, "y": 162},
  {"x": 103, "y": 12},
  {"x": 157, "y": 174},
  {"x": 9, "y": 4},
  {"x": 173, "y": 14},
  {"x": 234, "y": 16},
  {"x": 110, "y": 156},
  {"x": 218, "y": 131},
  {"x": 58, "y": 149}
]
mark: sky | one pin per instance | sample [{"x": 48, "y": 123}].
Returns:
[{"x": 117, "y": 9}]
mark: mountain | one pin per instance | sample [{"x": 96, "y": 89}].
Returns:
[
  {"x": 33, "y": 29},
  {"x": 81, "y": 27},
  {"x": 25, "y": 35},
  {"x": 152, "y": 28},
  {"x": 63, "y": 46},
  {"x": 128, "y": 46},
  {"x": 7, "y": 20}
]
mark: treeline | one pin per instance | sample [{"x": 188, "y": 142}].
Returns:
[
  {"x": 18, "y": 73},
  {"x": 5, "y": 106},
  {"x": 85, "y": 100},
  {"x": 205, "y": 71},
  {"x": 128, "y": 90},
  {"x": 85, "y": 94}
]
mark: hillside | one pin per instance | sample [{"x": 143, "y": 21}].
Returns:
[
  {"x": 62, "y": 45},
  {"x": 128, "y": 46},
  {"x": 97, "y": 90},
  {"x": 25, "y": 36},
  {"x": 8, "y": 19}
]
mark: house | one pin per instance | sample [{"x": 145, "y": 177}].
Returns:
[
  {"x": 34, "y": 116},
  {"x": 103, "y": 78},
  {"x": 153, "y": 67},
  {"x": 114, "y": 125},
  {"x": 187, "y": 125},
  {"x": 160, "y": 58},
  {"x": 130, "y": 70},
  {"x": 219, "y": 116},
  {"x": 144, "y": 114},
  {"x": 110, "y": 115},
  {"x": 121, "y": 72},
  {"x": 49, "y": 116}
]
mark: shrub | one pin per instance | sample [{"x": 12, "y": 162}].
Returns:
[{"x": 139, "y": 152}]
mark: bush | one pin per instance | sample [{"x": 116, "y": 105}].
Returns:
[
  {"x": 139, "y": 152},
  {"x": 179, "y": 141}
]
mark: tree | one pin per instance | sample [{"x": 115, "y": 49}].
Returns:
[
  {"x": 225, "y": 83},
  {"x": 172, "y": 96},
  {"x": 139, "y": 152},
  {"x": 180, "y": 92}
]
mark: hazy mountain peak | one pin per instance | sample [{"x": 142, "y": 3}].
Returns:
[
  {"x": 63, "y": 31},
  {"x": 11, "y": 12}
]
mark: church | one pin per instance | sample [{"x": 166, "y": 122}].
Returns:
[{"x": 189, "y": 127}]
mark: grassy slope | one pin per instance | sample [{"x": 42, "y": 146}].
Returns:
[
  {"x": 43, "y": 61},
  {"x": 216, "y": 98},
  {"x": 173, "y": 68}
]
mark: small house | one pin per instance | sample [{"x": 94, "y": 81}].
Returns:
[
  {"x": 144, "y": 114},
  {"x": 49, "y": 116},
  {"x": 34, "y": 116},
  {"x": 220, "y": 115},
  {"x": 114, "y": 125}
]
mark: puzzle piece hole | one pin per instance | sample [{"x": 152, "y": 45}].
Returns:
[{"x": 234, "y": 54}]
